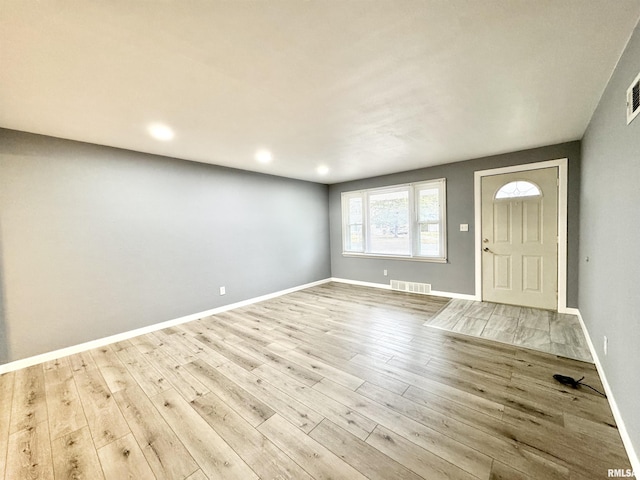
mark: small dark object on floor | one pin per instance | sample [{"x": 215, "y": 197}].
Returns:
[
  {"x": 567, "y": 380},
  {"x": 573, "y": 383}
]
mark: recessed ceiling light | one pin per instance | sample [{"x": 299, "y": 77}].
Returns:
[
  {"x": 264, "y": 156},
  {"x": 160, "y": 132},
  {"x": 322, "y": 170}
]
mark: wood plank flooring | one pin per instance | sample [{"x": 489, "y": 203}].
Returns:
[{"x": 332, "y": 382}]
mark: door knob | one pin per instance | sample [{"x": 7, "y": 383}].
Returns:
[
  {"x": 485, "y": 240},
  {"x": 486, "y": 249}
]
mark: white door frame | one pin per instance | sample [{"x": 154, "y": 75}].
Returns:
[{"x": 562, "y": 165}]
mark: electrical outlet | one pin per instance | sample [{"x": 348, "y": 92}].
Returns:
[
  {"x": 606, "y": 345},
  {"x": 385, "y": 272},
  {"x": 223, "y": 291}
]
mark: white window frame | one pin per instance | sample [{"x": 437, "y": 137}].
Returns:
[{"x": 414, "y": 221}]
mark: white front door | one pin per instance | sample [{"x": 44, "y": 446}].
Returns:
[{"x": 520, "y": 238}]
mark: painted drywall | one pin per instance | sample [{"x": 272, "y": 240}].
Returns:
[
  {"x": 457, "y": 275},
  {"x": 97, "y": 241},
  {"x": 610, "y": 238}
]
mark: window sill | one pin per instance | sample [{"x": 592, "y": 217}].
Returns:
[{"x": 394, "y": 257}]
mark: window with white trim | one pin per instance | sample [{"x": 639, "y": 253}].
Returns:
[{"x": 404, "y": 221}]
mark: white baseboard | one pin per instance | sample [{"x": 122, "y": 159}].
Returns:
[
  {"x": 570, "y": 311},
  {"x": 63, "y": 352},
  {"x": 385, "y": 286},
  {"x": 462, "y": 296},
  {"x": 624, "y": 434}
]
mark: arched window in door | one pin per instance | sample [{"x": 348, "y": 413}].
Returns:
[{"x": 518, "y": 189}]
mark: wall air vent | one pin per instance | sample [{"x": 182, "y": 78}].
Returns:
[
  {"x": 633, "y": 100},
  {"x": 411, "y": 287}
]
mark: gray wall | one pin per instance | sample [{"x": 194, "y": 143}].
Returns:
[
  {"x": 610, "y": 237},
  {"x": 456, "y": 276},
  {"x": 96, "y": 241}
]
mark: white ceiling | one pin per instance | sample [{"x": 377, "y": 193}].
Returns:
[{"x": 363, "y": 87}]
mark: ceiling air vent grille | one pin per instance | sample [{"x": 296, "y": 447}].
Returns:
[{"x": 633, "y": 100}]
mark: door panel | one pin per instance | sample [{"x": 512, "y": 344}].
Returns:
[
  {"x": 502, "y": 222},
  {"x": 502, "y": 272},
  {"x": 520, "y": 249},
  {"x": 531, "y": 222},
  {"x": 532, "y": 273}
]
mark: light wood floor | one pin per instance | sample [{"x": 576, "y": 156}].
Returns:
[
  {"x": 543, "y": 330},
  {"x": 333, "y": 382}
]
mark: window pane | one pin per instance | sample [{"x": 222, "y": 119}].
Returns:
[
  {"x": 429, "y": 205},
  {"x": 354, "y": 240},
  {"x": 355, "y": 210},
  {"x": 430, "y": 239},
  {"x": 389, "y": 223}
]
